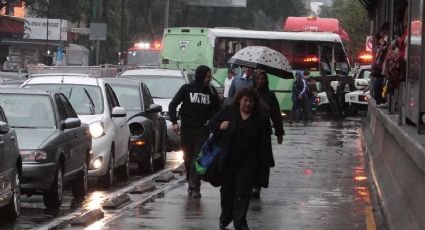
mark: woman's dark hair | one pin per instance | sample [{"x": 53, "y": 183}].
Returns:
[
  {"x": 249, "y": 92},
  {"x": 264, "y": 73}
]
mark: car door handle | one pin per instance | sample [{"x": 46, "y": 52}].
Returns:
[
  {"x": 12, "y": 138},
  {"x": 76, "y": 135}
]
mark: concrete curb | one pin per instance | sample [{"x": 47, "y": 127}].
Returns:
[
  {"x": 88, "y": 218},
  {"x": 64, "y": 221},
  {"x": 145, "y": 187},
  {"x": 116, "y": 201},
  {"x": 165, "y": 178}
]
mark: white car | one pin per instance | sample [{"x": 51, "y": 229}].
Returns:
[
  {"x": 361, "y": 82},
  {"x": 163, "y": 84},
  {"x": 96, "y": 105}
]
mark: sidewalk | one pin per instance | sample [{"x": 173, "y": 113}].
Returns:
[{"x": 320, "y": 182}]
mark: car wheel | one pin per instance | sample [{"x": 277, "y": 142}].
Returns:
[
  {"x": 80, "y": 184},
  {"x": 13, "y": 209},
  {"x": 109, "y": 177},
  {"x": 124, "y": 170},
  {"x": 147, "y": 166},
  {"x": 53, "y": 197},
  {"x": 163, "y": 159}
]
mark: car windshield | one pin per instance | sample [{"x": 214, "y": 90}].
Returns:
[
  {"x": 28, "y": 111},
  {"x": 364, "y": 74},
  {"x": 161, "y": 86},
  {"x": 128, "y": 97},
  {"x": 86, "y": 99}
]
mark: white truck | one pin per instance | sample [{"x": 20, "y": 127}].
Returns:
[{"x": 356, "y": 100}]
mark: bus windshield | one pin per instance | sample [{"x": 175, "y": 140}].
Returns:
[{"x": 143, "y": 58}]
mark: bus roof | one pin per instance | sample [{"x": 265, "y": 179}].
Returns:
[
  {"x": 214, "y": 33},
  {"x": 314, "y": 24}
]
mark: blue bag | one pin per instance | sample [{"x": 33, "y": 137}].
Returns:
[{"x": 209, "y": 152}]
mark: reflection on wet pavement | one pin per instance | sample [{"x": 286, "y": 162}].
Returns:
[
  {"x": 320, "y": 182},
  {"x": 34, "y": 214}
]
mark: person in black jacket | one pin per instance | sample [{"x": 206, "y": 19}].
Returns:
[
  {"x": 242, "y": 131},
  {"x": 271, "y": 107},
  {"x": 199, "y": 102}
]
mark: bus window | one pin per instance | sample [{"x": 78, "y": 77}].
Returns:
[
  {"x": 300, "y": 54},
  {"x": 224, "y": 49},
  {"x": 220, "y": 53},
  {"x": 341, "y": 61},
  {"x": 326, "y": 55}
]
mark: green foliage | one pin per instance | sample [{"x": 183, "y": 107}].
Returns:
[
  {"x": 354, "y": 20},
  {"x": 144, "y": 19}
]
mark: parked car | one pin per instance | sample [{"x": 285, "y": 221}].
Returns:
[
  {"x": 163, "y": 84},
  {"x": 96, "y": 105},
  {"x": 54, "y": 146},
  {"x": 147, "y": 128},
  {"x": 10, "y": 171}
]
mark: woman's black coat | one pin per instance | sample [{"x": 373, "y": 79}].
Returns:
[{"x": 225, "y": 139}]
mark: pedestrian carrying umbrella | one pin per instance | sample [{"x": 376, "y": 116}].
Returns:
[{"x": 261, "y": 57}]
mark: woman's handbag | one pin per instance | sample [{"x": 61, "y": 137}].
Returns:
[{"x": 206, "y": 164}]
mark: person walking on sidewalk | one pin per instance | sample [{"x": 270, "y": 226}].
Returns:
[
  {"x": 243, "y": 133},
  {"x": 240, "y": 82},
  {"x": 299, "y": 89},
  {"x": 199, "y": 103},
  {"x": 227, "y": 83},
  {"x": 271, "y": 107}
]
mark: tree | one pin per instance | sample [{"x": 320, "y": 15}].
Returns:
[{"x": 354, "y": 20}]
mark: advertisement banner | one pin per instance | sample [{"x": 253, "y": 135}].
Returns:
[{"x": 45, "y": 29}]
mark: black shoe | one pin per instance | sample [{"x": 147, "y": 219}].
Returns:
[
  {"x": 224, "y": 224},
  {"x": 255, "y": 193},
  {"x": 196, "y": 194}
]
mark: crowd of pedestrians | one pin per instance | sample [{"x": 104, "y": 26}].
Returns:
[{"x": 242, "y": 129}]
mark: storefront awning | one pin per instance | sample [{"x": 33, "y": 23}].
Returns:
[
  {"x": 7, "y": 41},
  {"x": 11, "y": 25}
]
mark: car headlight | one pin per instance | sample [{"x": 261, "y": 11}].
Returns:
[
  {"x": 96, "y": 163},
  {"x": 33, "y": 155},
  {"x": 96, "y": 130},
  {"x": 136, "y": 129}
]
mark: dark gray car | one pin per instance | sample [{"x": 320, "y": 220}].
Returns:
[
  {"x": 54, "y": 146},
  {"x": 147, "y": 128},
  {"x": 10, "y": 171}
]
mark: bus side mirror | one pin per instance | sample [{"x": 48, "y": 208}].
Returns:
[{"x": 325, "y": 69}]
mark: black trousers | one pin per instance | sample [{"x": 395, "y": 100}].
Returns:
[
  {"x": 297, "y": 106},
  {"x": 235, "y": 195},
  {"x": 192, "y": 141}
]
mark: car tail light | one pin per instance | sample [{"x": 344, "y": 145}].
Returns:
[
  {"x": 317, "y": 100},
  {"x": 362, "y": 98}
]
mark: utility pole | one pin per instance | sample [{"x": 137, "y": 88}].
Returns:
[
  {"x": 123, "y": 26},
  {"x": 166, "y": 13}
]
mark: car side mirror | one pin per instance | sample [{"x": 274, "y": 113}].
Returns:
[
  {"x": 325, "y": 69},
  {"x": 119, "y": 112},
  {"x": 71, "y": 123},
  {"x": 154, "y": 108},
  {"x": 4, "y": 127}
]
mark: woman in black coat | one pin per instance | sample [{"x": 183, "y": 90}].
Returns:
[
  {"x": 270, "y": 106},
  {"x": 242, "y": 131}
]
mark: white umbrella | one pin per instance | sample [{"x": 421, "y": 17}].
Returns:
[{"x": 261, "y": 57}]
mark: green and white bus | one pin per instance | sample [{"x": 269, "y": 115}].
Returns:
[{"x": 186, "y": 48}]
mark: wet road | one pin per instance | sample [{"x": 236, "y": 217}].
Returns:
[
  {"x": 320, "y": 182},
  {"x": 34, "y": 214}
]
